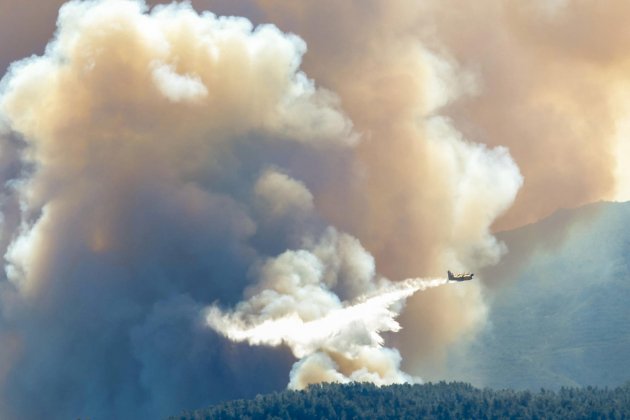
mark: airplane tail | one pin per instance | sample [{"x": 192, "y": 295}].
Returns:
[{"x": 450, "y": 275}]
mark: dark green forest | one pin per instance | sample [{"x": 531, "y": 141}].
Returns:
[{"x": 432, "y": 401}]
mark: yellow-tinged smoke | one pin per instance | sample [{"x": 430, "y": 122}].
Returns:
[
  {"x": 166, "y": 138},
  {"x": 523, "y": 75},
  {"x": 157, "y": 161},
  {"x": 152, "y": 159},
  {"x": 426, "y": 197}
]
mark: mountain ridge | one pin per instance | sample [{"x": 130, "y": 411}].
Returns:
[{"x": 558, "y": 313}]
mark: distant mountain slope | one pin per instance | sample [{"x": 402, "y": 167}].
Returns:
[
  {"x": 433, "y": 401},
  {"x": 560, "y": 305}
]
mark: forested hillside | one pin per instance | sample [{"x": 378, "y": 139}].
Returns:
[
  {"x": 438, "y": 401},
  {"x": 558, "y": 306}
]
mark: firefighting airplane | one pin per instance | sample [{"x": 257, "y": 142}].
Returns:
[{"x": 460, "y": 276}]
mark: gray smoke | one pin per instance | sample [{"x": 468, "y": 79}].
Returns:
[
  {"x": 142, "y": 153},
  {"x": 171, "y": 178}
]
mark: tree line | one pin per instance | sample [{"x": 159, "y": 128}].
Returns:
[{"x": 431, "y": 401}]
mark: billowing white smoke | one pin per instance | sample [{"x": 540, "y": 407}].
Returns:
[
  {"x": 295, "y": 304},
  {"x": 157, "y": 162},
  {"x": 150, "y": 160}
]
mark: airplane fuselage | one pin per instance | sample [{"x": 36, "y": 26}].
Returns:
[{"x": 460, "y": 276}]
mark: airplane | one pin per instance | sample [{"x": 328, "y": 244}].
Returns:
[{"x": 460, "y": 276}]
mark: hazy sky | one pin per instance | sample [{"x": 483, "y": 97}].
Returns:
[{"x": 176, "y": 182}]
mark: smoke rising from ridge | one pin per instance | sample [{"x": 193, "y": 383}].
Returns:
[
  {"x": 160, "y": 158},
  {"x": 164, "y": 169},
  {"x": 150, "y": 146}
]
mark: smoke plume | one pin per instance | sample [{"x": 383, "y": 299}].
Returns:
[
  {"x": 150, "y": 160},
  {"x": 159, "y": 161},
  {"x": 197, "y": 208},
  {"x": 427, "y": 197}
]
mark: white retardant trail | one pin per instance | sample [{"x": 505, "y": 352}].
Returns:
[
  {"x": 349, "y": 331},
  {"x": 304, "y": 337}
]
